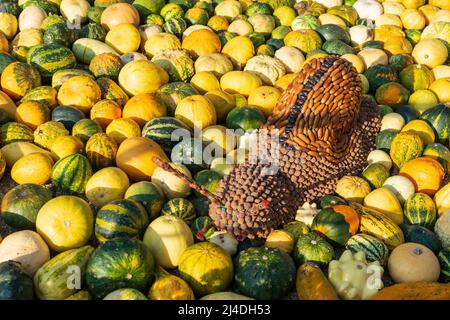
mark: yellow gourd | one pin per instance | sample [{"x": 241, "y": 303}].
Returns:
[
  {"x": 196, "y": 111},
  {"x": 106, "y": 185},
  {"x": 385, "y": 201},
  {"x": 353, "y": 188},
  {"x": 422, "y": 129},
  {"x": 123, "y": 38},
  {"x": 265, "y": 99}
]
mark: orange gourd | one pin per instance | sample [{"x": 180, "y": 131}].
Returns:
[
  {"x": 119, "y": 13},
  {"x": 201, "y": 42},
  {"x": 312, "y": 284},
  {"x": 105, "y": 111},
  {"x": 32, "y": 114},
  {"x": 425, "y": 173},
  {"x": 135, "y": 157},
  {"x": 143, "y": 108}
]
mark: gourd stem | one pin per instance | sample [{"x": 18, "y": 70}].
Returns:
[{"x": 194, "y": 185}]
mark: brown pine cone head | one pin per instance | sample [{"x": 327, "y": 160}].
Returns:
[{"x": 255, "y": 201}]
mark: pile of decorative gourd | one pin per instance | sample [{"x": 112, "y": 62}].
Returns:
[{"x": 92, "y": 90}]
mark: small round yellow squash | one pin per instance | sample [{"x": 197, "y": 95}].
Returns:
[
  {"x": 81, "y": 92},
  {"x": 242, "y": 82},
  {"x": 65, "y": 222},
  {"x": 123, "y": 38},
  {"x": 106, "y": 185},
  {"x": 142, "y": 76},
  {"x": 63, "y": 146},
  {"x": 196, "y": 111},
  {"x": 265, "y": 99}
]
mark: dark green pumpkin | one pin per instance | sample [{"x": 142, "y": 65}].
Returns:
[
  {"x": 71, "y": 173},
  {"x": 439, "y": 118},
  {"x": 14, "y": 132},
  {"x": 258, "y": 7},
  {"x": 275, "y": 44},
  {"x": 208, "y": 179},
  {"x": 85, "y": 128},
  {"x": 256, "y": 38},
  {"x": 67, "y": 115},
  {"x": 408, "y": 113},
  {"x": 380, "y": 74},
  {"x": 333, "y": 32},
  {"x": 245, "y": 118},
  {"x": 264, "y": 273},
  {"x": 328, "y": 201},
  {"x": 444, "y": 261},
  {"x": 296, "y": 229},
  {"x": 400, "y": 61},
  {"x": 420, "y": 209},
  {"x": 21, "y": 204},
  {"x": 313, "y": 248},
  {"x": 419, "y": 234},
  {"x": 120, "y": 218},
  {"x": 374, "y": 249},
  {"x": 181, "y": 208},
  {"x": 384, "y": 139},
  {"x": 15, "y": 283},
  {"x": 166, "y": 131},
  {"x": 332, "y": 225},
  {"x": 50, "y": 58},
  {"x": 385, "y": 109},
  {"x": 337, "y": 47},
  {"x": 374, "y": 44},
  {"x": 110, "y": 268},
  {"x": 101, "y": 151},
  {"x": 149, "y": 194}
]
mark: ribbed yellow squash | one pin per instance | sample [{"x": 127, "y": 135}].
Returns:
[
  {"x": 386, "y": 202},
  {"x": 442, "y": 199}
]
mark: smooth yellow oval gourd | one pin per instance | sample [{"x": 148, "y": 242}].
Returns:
[
  {"x": 142, "y": 76},
  {"x": 196, "y": 111},
  {"x": 81, "y": 92},
  {"x": 385, "y": 201},
  {"x": 33, "y": 168},
  {"x": 167, "y": 237},
  {"x": 422, "y": 129},
  {"x": 242, "y": 82},
  {"x": 123, "y": 38},
  {"x": 63, "y": 146},
  {"x": 106, "y": 185},
  {"x": 16, "y": 150}
]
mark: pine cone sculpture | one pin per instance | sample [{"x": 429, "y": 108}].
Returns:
[{"x": 321, "y": 130}]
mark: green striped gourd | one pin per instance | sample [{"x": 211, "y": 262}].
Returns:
[
  {"x": 13, "y": 132},
  {"x": 173, "y": 92},
  {"x": 71, "y": 173},
  {"x": 149, "y": 194},
  {"x": 120, "y": 218},
  {"x": 405, "y": 146},
  {"x": 181, "y": 208},
  {"x": 161, "y": 129},
  {"x": 175, "y": 26},
  {"x": 374, "y": 249},
  {"x": 177, "y": 63},
  {"x": 21, "y": 204},
  {"x": 420, "y": 209},
  {"x": 49, "y": 58},
  {"x": 50, "y": 281},
  {"x": 444, "y": 261},
  {"x": 376, "y": 224},
  {"x": 109, "y": 267},
  {"x": 313, "y": 248},
  {"x": 439, "y": 118},
  {"x": 112, "y": 91},
  {"x": 86, "y": 128},
  {"x": 101, "y": 151}
]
